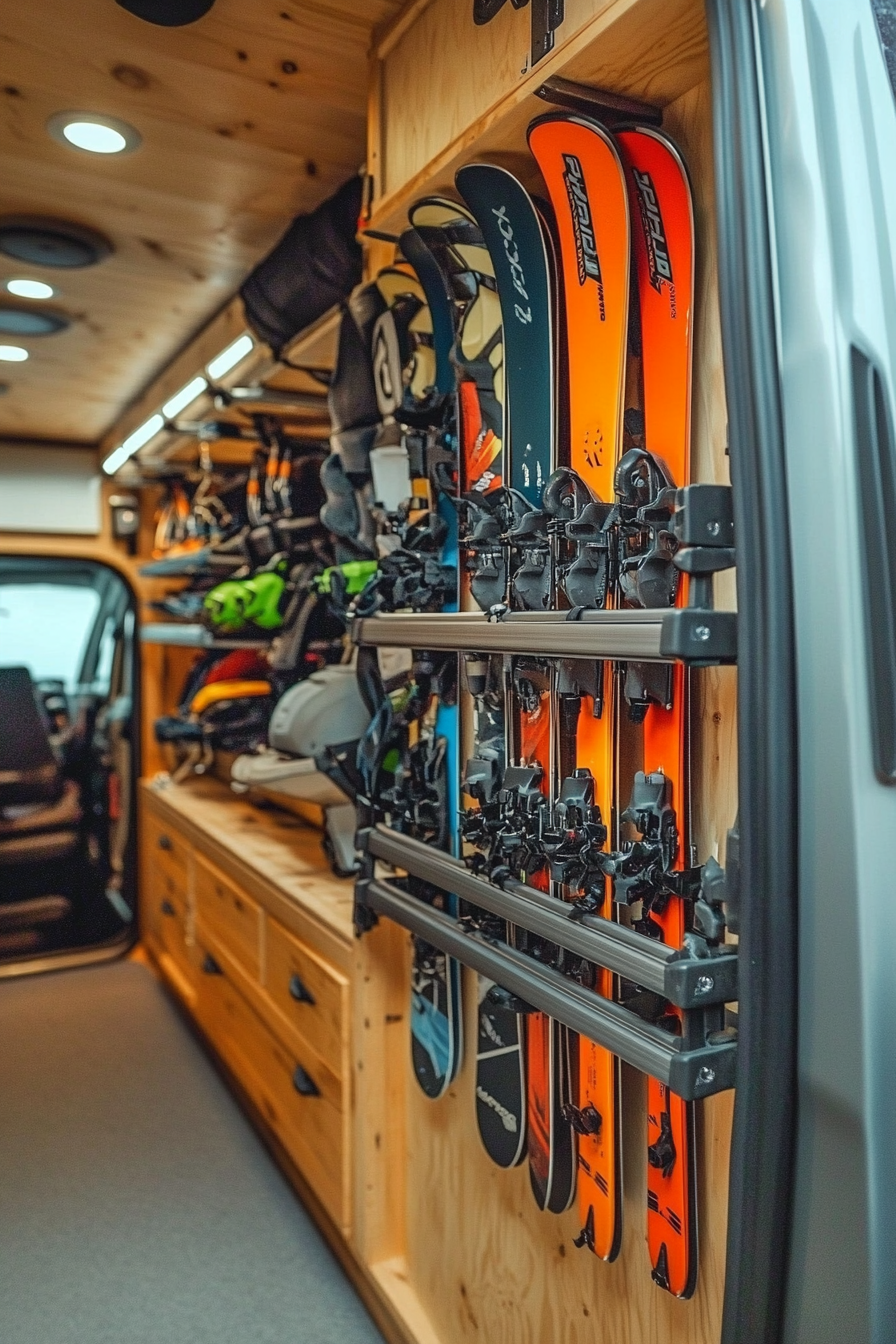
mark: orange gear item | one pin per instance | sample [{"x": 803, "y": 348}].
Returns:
[
  {"x": 584, "y": 176},
  {"x": 228, "y": 690},
  {"x": 663, "y": 238}
]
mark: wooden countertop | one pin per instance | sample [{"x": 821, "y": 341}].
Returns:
[{"x": 273, "y": 855}]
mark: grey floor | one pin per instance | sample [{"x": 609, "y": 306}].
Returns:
[{"x": 136, "y": 1203}]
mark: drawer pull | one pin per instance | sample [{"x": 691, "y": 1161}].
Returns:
[
  {"x": 300, "y": 991},
  {"x": 304, "y": 1084},
  {"x": 165, "y": 842},
  {"x": 210, "y": 966},
  {"x": 167, "y": 908}
]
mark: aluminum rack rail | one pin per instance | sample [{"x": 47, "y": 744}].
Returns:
[
  {"x": 194, "y": 637},
  {"x": 696, "y": 1064},
  {"x": 687, "y": 981},
  {"x": 694, "y": 635}
]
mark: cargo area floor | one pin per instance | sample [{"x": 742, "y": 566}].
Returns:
[{"x": 137, "y": 1204}]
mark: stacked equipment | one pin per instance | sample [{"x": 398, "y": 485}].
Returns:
[{"x": 589, "y": 554}]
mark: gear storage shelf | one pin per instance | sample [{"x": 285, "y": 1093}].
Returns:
[{"x": 193, "y": 637}]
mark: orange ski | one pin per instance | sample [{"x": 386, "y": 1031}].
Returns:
[
  {"x": 662, "y": 229},
  {"x": 586, "y": 186},
  {"x": 531, "y": 726}
]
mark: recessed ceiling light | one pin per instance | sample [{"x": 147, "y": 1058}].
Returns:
[
  {"x": 230, "y": 356},
  {"x": 13, "y": 354},
  {"x": 30, "y": 289},
  {"x": 97, "y": 135}
]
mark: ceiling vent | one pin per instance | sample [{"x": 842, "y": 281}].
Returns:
[
  {"x": 51, "y": 242},
  {"x": 28, "y": 322},
  {"x": 167, "y": 13}
]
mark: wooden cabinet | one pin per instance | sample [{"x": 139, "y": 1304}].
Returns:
[
  {"x": 298, "y": 1098},
  {"x": 259, "y": 953},
  {"x": 165, "y": 902}
]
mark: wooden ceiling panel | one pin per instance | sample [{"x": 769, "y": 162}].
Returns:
[{"x": 235, "y": 142}]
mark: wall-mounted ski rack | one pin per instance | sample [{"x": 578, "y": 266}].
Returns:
[
  {"x": 695, "y": 1064},
  {"x": 691, "y": 635}
]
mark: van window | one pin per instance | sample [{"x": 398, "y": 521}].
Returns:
[{"x": 45, "y": 627}]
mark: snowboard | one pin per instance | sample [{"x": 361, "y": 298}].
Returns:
[
  {"x": 584, "y": 178},
  {"x": 417, "y": 528},
  {"x": 478, "y": 357},
  {"x": 519, "y": 244},
  {"x": 663, "y": 249}
]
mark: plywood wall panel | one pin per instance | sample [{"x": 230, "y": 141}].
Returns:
[{"x": 472, "y": 78}]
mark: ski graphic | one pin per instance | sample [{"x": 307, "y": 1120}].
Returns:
[
  {"x": 518, "y": 243},
  {"x": 585, "y": 182},
  {"x": 663, "y": 245}
]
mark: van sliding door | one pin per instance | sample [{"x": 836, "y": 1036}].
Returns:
[{"x": 824, "y": 132}]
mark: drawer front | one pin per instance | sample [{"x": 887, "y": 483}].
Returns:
[
  {"x": 229, "y": 915},
  {"x": 288, "y": 1091},
  {"x": 310, "y": 994},
  {"x": 163, "y": 896},
  {"x": 171, "y": 932},
  {"x": 166, "y": 850}
]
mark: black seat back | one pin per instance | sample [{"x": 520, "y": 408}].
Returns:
[{"x": 29, "y": 772}]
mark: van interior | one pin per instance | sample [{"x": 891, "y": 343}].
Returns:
[{"x": 447, "y": 671}]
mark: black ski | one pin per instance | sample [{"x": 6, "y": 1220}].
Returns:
[{"x": 520, "y": 247}]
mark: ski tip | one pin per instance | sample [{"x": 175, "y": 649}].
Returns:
[{"x": 576, "y": 119}]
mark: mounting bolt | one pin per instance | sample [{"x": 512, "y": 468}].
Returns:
[
  {"x": 713, "y": 528},
  {"x": 706, "y": 1076},
  {"x": 704, "y": 984},
  {"x": 702, "y": 632}
]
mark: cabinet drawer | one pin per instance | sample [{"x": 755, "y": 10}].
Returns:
[
  {"x": 309, "y": 993},
  {"x": 231, "y": 917},
  {"x": 166, "y": 850},
  {"x": 165, "y": 917},
  {"x": 162, "y": 894},
  {"x": 171, "y": 932},
  {"x": 289, "y": 1091}
]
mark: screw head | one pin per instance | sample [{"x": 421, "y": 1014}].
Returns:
[
  {"x": 706, "y": 1076},
  {"x": 702, "y": 633},
  {"x": 713, "y": 528},
  {"x": 704, "y": 984}
]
